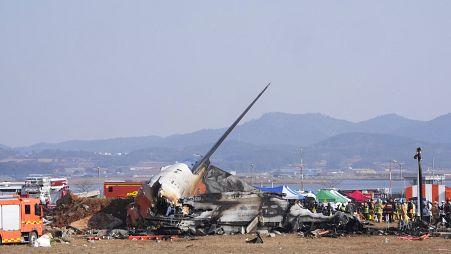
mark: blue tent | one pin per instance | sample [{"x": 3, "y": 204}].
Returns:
[{"x": 289, "y": 193}]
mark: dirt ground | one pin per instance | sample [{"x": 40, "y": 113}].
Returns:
[{"x": 237, "y": 244}]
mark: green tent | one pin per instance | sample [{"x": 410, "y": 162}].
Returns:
[{"x": 328, "y": 196}]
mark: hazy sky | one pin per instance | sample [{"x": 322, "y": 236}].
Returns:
[{"x": 99, "y": 69}]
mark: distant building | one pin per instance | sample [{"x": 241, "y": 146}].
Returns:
[
  {"x": 285, "y": 172},
  {"x": 10, "y": 188},
  {"x": 428, "y": 179},
  {"x": 433, "y": 188},
  {"x": 364, "y": 171}
]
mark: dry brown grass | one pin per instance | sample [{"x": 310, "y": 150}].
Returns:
[{"x": 236, "y": 244}]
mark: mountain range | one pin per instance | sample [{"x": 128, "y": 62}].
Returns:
[{"x": 274, "y": 140}]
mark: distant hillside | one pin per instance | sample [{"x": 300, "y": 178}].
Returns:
[
  {"x": 384, "y": 124},
  {"x": 290, "y": 129},
  {"x": 364, "y": 149},
  {"x": 3, "y": 147},
  {"x": 105, "y": 145},
  {"x": 232, "y": 155},
  {"x": 341, "y": 151},
  {"x": 271, "y": 128},
  {"x": 355, "y": 150},
  {"x": 437, "y": 130},
  {"x": 274, "y": 141},
  {"x": 5, "y": 152}
]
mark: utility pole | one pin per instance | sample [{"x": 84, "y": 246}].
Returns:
[
  {"x": 391, "y": 184},
  {"x": 252, "y": 169},
  {"x": 433, "y": 165},
  {"x": 302, "y": 169},
  {"x": 420, "y": 182},
  {"x": 402, "y": 179},
  {"x": 98, "y": 181}
]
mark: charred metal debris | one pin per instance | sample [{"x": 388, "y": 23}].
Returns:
[{"x": 231, "y": 206}]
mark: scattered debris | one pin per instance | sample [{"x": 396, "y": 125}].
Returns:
[
  {"x": 197, "y": 198},
  {"x": 414, "y": 238},
  {"x": 446, "y": 235},
  {"x": 318, "y": 233},
  {"x": 119, "y": 234},
  {"x": 257, "y": 239},
  {"x": 104, "y": 221},
  {"x": 153, "y": 237},
  {"x": 71, "y": 208},
  {"x": 71, "y": 230},
  {"x": 263, "y": 232},
  {"x": 43, "y": 241},
  {"x": 82, "y": 214}
]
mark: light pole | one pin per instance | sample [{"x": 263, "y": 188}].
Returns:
[{"x": 420, "y": 183}]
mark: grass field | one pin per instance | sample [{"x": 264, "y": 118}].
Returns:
[{"x": 236, "y": 244}]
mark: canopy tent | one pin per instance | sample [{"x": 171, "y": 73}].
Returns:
[
  {"x": 329, "y": 196},
  {"x": 289, "y": 193},
  {"x": 357, "y": 196},
  {"x": 338, "y": 194},
  {"x": 325, "y": 196},
  {"x": 308, "y": 194}
]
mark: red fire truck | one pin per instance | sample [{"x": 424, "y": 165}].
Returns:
[
  {"x": 20, "y": 219},
  {"x": 121, "y": 189}
]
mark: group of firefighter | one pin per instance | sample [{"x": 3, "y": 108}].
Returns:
[{"x": 389, "y": 211}]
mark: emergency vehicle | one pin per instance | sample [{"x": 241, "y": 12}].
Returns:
[
  {"x": 20, "y": 219},
  {"x": 118, "y": 189},
  {"x": 47, "y": 189}
]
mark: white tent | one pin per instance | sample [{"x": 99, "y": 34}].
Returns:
[
  {"x": 307, "y": 194},
  {"x": 340, "y": 195},
  {"x": 289, "y": 193}
]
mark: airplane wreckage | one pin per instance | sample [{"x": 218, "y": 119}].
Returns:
[{"x": 195, "y": 197}]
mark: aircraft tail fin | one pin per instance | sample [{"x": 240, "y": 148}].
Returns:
[{"x": 207, "y": 156}]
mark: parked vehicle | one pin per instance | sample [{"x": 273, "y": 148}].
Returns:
[
  {"x": 47, "y": 189},
  {"x": 121, "y": 189},
  {"x": 20, "y": 219}
]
